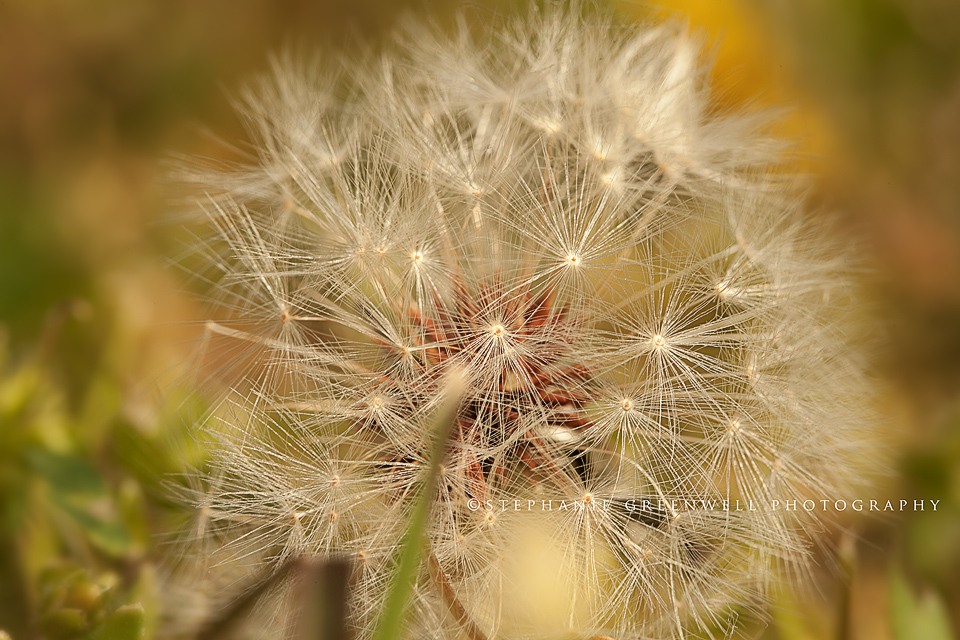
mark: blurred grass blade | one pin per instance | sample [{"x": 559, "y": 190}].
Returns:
[{"x": 390, "y": 625}]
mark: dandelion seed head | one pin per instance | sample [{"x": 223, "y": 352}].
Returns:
[{"x": 640, "y": 313}]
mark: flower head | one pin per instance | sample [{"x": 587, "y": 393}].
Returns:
[{"x": 651, "y": 332}]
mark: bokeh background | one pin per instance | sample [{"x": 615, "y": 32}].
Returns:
[{"x": 97, "y": 97}]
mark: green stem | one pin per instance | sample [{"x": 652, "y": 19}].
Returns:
[{"x": 390, "y": 626}]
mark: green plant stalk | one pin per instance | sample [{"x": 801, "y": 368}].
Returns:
[{"x": 390, "y": 626}]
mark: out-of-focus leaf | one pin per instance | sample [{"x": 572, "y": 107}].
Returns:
[
  {"x": 17, "y": 389},
  {"x": 67, "y": 474},
  {"x": 126, "y": 623},
  {"x": 916, "y": 618},
  {"x": 80, "y": 492},
  {"x": 64, "y": 623},
  {"x": 16, "y": 504},
  {"x": 109, "y": 534},
  {"x": 101, "y": 404},
  {"x": 131, "y": 511},
  {"x": 145, "y": 593},
  {"x": 83, "y": 595}
]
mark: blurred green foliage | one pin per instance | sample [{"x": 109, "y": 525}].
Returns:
[{"x": 81, "y": 495}]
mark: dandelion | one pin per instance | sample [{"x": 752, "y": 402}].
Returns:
[{"x": 646, "y": 322}]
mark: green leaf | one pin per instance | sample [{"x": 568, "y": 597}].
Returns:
[
  {"x": 80, "y": 492},
  {"x": 66, "y": 474},
  {"x": 126, "y": 623},
  {"x": 17, "y": 389},
  {"x": 101, "y": 404},
  {"x": 63, "y": 624},
  {"x": 913, "y": 618},
  {"x": 109, "y": 534}
]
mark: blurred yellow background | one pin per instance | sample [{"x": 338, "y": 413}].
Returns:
[{"x": 96, "y": 97}]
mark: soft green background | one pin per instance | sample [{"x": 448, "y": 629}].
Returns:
[{"x": 96, "y": 96}]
